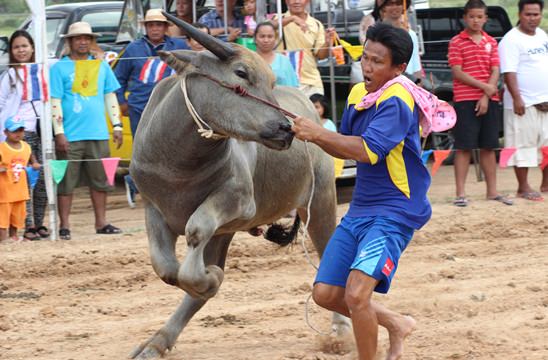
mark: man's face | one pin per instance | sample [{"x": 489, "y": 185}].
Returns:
[
  {"x": 377, "y": 66},
  {"x": 296, "y": 7},
  {"x": 156, "y": 30},
  {"x": 529, "y": 18},
  {"x": 475, "y": 19},
  {"x": 183, "y": 8},
  {"x": 81, "y": 45},
  {"x": 219, "y": 6}
]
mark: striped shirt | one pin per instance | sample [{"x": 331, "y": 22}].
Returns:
[
  {"x": 476, "y": 59},
  {"x": 213, "y": 21}
]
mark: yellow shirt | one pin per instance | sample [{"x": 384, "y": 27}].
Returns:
[{"x": 310, "y": 41}]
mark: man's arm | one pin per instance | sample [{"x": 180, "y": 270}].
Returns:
[
  {"x": 511, "y": 81},
  {"x": 335, "y": 144},
  {"x": 323, "y": 52},
  {"x": 488, "y": 88}
]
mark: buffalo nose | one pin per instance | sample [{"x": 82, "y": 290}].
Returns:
[{"x": 285, "y": 127}]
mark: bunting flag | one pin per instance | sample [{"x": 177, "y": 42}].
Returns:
[
  {"x": 86, "y": 75},
  {"x": 439, "y": 157},
  {"x": 505, "y": 155},
  {"x": 34, "y": 83},
  {"x": 425, "y": 156},
  {"x": 296, "y": 59},
  {"x": 544, "y": 157},
  {"x": 110, "y": 165},
  {"x": 32, "y": 176},
  {"x": 154, "y": 70},
  {"x": 58, "y": 169}
]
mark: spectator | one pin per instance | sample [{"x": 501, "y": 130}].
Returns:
[
  {"x": 474, "y": 62},
  {"x": 389, "y": 200},
  {"x": 15, "y": 155},
  {"x": 82, "y": 88},
  {"x": 214, "y": 20},
  {"x": 302, "y": 32},
  {"x": 15, "y": 102},
  {"x": 194, "y": 45},
  {"x": 183, "y": 10},
  {"x": 524, "y": 55},
  {"x": 322, "y": 107},
  {"x": 265, "y": 39},
  {"x": 250, "y": 7},
  {"x": 392, "y": 12},
  {"x": 139, "y": 69}
]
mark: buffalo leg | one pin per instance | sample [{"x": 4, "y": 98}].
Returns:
[
  {"x": 164, "y": 339},
  {"x": 161, "y": 242}
]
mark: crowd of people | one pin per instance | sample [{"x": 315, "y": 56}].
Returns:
[{"x": 390, "y": 197}]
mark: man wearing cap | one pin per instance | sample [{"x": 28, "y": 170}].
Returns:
[
  {"x": 82, "y": 87},
  {"x": 139, "y": 69}
]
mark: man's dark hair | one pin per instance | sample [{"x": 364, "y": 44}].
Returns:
[
  {"x": 522, "y": 3},
  {"x": 323, "y": 102},
  {"x": 474, "y": 4},
  {"x": 397, "y": 40},
  {"x": 15, "y": 35},
  {"x": 198, "y": 25}
]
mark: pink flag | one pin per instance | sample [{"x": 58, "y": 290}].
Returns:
[
  {"x": 110, "y": 165},
  {"x": 439, "y": 156},
  {"x": 505, "y": 155},
  {"x": 544, "y": 157}
]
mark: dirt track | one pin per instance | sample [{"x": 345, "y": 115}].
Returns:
[{"x": 474, "y": 278}]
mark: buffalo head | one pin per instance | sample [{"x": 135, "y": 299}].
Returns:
[{"x": 227, "y": 112}]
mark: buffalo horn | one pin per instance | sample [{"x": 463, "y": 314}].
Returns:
[{"x": 221, "y": 49}]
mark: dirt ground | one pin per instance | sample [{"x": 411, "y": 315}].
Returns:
[{"x": 474, "y": 278}]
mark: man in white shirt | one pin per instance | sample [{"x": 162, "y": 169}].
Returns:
[{"x": 523, "y": 57}]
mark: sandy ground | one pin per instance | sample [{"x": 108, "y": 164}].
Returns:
[{"x": 475, "y": 279}]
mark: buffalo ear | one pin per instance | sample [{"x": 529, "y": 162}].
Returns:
[{"x": 177, "y": 59}]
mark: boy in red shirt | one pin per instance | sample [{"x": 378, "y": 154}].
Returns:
[
  {"x": 14, "y": 157},
  {"x": 474, "y": 61}
]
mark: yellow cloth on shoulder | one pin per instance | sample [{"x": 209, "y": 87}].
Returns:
[{"x": 86, "y": 74}]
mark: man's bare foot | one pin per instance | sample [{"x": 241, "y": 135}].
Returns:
[{"x": 397, "y": 337}]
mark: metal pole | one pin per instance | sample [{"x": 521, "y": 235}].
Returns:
[
  {"x": 193, "y": 10},
  {"x": 331, "y": 70},
  {"x": 279, "y": 17},
  {"x": 225, "y": 16},
  {"x": 38, "y": 8},
  {"x": 260, "y": 11}
]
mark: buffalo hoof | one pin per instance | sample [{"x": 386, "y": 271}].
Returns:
[{"x": 153, "y": 348}]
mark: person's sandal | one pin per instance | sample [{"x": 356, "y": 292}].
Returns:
[
  {"x": 64, "y": 234},
  {"x": 460, "y": 201},
  {"x": 109, "y": 230},
  {"x": 43, "y": 232},
  {"x": 30, "y": 234}
]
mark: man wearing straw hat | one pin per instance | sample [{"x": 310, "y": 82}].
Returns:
[
  {"x": 139, "y": 69},
  {"x": 82, "y": 87}
]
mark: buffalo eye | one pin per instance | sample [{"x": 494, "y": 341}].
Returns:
[{"x": 241, "y": 73}]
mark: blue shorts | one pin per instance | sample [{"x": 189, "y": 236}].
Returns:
[{"x": 372, "y": 245}]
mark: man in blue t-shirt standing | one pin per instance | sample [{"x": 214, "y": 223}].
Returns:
[
  {"x": 82, "y": 88},
  {"x": 389, "y": 201}
]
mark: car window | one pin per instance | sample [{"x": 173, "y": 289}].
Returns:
[
  {"x": 54, "y": 26},
  {"x": 105, "y": 23}
]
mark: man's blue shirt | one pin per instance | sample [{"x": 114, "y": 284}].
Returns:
[
  {"x": 139, "y": 69},
  {"x": 213, "y": 21},
  {"x": 396, "y": 182},
  {"x": 83, "y": 116}
]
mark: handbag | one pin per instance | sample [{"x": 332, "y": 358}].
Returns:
[{"x": 337, "y": 51}]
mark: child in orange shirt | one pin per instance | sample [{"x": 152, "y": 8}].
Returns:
[{"x": 14, "y": 157}]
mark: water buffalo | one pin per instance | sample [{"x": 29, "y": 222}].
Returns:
[{"x": 209, "y": 188}]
